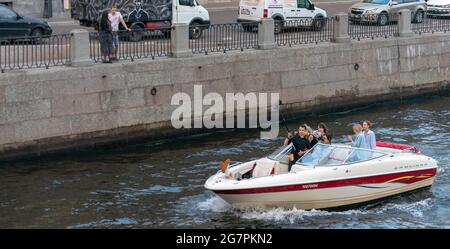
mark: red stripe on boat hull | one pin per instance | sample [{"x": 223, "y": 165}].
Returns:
[{"x": 337, "y": 183}]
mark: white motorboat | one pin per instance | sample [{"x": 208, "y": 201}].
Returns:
[{"x": 328, "y": 176}]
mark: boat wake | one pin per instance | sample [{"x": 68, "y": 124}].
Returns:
[
  {"x": 107, "y": 223},
  {"x": 294, "y": 216},
  {"x": 416, "y": 209},
  {"x": 214, "y": 204}
]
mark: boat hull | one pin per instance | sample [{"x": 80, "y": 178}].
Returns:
[{"x": 324, "y": 198}]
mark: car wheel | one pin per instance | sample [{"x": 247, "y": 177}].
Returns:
[
  {"x": 36, "y": 35},
  {"x": 248, "y": 27},
  {"x": 419, "y": 16},
  {"x": 383, "y": 19},
  {"x": 355, "y": 22},
  {"x": 195, "y": 30},
  {"x": 318, "y": 23},
  {"x": 279, "y": 25}
]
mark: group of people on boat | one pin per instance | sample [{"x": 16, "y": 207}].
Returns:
[
  {"x": 305, "y": 138},
  {"x": 363, "y": 137}
]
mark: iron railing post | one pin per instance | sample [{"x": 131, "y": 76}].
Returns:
[
  {"x": 340, "y": 31},
  {"x": 79, "y": 48},
  {"x": 404, "y": 23},
  {"x": 180, "y": 40},
  {"x": 266, "y": 34}
]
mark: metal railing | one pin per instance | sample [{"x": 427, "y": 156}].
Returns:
[
  {"x": 206, "y": 39},
  {"x": 34, "y": 52},
  {"x": 48, "y": 51},
  {"x": 303, "y": 31},
  {"x": 136, "y": 44},
  {"x": 433, "y": 21},
  {"x": 371, "y": 26}
]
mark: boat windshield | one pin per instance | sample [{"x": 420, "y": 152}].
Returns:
[
  {"x": 332, "y": 155},
  {"x": 281, "y": 154}
]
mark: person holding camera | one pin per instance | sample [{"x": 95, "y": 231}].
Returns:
[{"x": 300, "y": 144}]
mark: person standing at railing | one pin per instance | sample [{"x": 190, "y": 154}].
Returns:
[
  {"x": 105, "y": 37},
  {"x": 115, "y": 17}
]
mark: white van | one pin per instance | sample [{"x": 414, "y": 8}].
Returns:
[
  {"x": 281, "y": 11},
  {"x": 193, "y": 14}
]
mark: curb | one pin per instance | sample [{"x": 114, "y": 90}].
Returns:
[
  {"x": 221, "y": 8},
  {"x": 71, "y": 22}
]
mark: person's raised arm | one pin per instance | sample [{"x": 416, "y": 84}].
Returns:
[
  {"x": 123, "y": 23},
  {"x": 350, "y": 138},
  {"x": 286, "y": 141}
]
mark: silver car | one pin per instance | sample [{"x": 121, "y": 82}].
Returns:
[
  {"x": 384, "y": 11},
  {"x": 438, "y": 8}
]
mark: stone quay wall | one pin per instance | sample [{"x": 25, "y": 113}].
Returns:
[{"x": 66, "y": 107}]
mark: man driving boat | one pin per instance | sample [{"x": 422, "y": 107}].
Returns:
[{"x": 300, "y": 143}]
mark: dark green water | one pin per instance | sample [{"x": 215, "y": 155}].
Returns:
[{"x": 161, "y": 186}]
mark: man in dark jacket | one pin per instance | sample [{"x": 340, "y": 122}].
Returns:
[{"x": 300, "y": 144}]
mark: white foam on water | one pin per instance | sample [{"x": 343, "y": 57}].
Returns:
[
  {"x": 442, "y": 172},
  {"x": 292, "y": 215},
  {"x": 106, "y": 223},
  {"x": 214, "y": 204},
  {"x": 416, "y": 209}
]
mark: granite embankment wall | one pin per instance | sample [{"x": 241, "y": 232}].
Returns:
[{"x": 66, "y": 107}]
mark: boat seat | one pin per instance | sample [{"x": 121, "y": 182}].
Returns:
[
  {"x": 281, "y": 168},
  {"x": 246, "y": 168},
  {"x": 263, "y": 169}
]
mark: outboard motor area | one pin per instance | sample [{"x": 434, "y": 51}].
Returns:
[
  {"x": 255, "y": 169},
  {"x": 269, "y": 167},
  {"x": 264, "y": 168}
]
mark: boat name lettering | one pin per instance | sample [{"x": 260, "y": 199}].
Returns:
[
  {"x": 414, "y": 166},
  {"x": 315, "y": 185}
]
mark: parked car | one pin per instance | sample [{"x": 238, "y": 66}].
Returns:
[
  {"x": 438, "y": 8},
  {"x": 381, "y": 11},
  {"x": 13, "y": 25},
  {"x": 281, "y": 11}
]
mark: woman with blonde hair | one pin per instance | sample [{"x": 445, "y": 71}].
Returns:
[{"x": 358, "y": 139}]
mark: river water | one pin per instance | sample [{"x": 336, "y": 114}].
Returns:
[{"x": 160, "y": 185}]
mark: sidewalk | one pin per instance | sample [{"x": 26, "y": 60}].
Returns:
[{"x": 63, "y": 20}]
